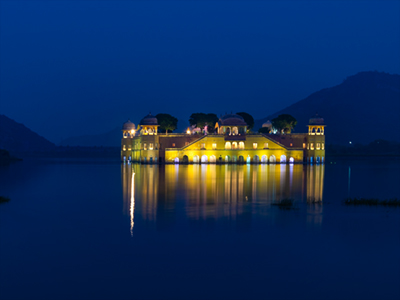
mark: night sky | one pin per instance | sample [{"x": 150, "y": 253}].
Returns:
[{"x": 73, "y": 68}]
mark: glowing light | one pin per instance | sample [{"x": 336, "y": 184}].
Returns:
[
  {"x": 188, "y": 131},
  {"x": 132, "y": 210}
]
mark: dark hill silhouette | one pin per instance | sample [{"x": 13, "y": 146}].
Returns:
[
  {"x": 17, "y": 138},
  {"x": 363, "y": 108}
]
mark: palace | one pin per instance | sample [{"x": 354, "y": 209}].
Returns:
[{"x": 230, "y": 144}]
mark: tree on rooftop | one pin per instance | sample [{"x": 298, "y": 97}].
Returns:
[
  {"x": 284, "y": 123},
  {"x": 264, "y": 130},
  {"x": 167, "y": 122},
  {"x": 200, "y": 120},
  {"x": 248, "y": 119}
]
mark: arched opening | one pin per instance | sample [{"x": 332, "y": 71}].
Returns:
[
  {"x": 283, "y": 159},
  {"x": 311, "y": 160},
  {"x": 145, "y": 160},
  {"x": 322, "y": 160},
  {"x": 291, "y": 160},
  {"x": 176, "y": 160},
  {"x": 213, "y": 159},
  {"x": 228, "y": 146},
  {"x": 234, "y": 145},
  {"x": 228, "y": 130},
  {"x": 130, "y": 158},
  {"x": 220, "y": 159},
  {"x": 272, "y": 159},
  {"x": 124, "y": 158},
  {"x": 234, "y": 159},
  {"x": 241, "y": 159},
  {"x": 241, "y": 145},
  {"x": 256, "y": 159},
  {"x": 317, "y": 160},
  {"x": 235, "y": 131},
  {"x": 185, "y": 159},
  {"x": 264, "y": 159},
  {"x": 204, "y": 159},
  {"x": 248, "y": 160},
  {"x": 227, "y": 159},
  {"x": 241, "y": 130},
  {"x": 196, "y": 159},
  {"x": 151, "y": 160}
]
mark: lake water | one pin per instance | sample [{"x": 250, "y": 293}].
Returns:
[{"x": 78, "y": 229}]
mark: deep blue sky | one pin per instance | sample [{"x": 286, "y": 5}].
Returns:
[{"x": 78, "y": 67}]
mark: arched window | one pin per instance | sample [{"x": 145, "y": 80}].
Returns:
[
  {"x": 204, "y": 159},
  {"x": 291, "y": 160},
  {"x": 227, "y": 159},
  {"x": 196, "y": 159},
  {"x": 228, "y": 146},
  {"x": 213, "y": 159},
  {"x": 272, "y": 159},
  {"x": 264, "y": 159},
  {"x": 283, "y": 159},
  {"x": 256, "y": 159},
  {"x": 241, "y": 145},
  {"x": 234, "y": 145},
  {"x": 235, "y": 131},
  {"x": 176, "y": 160}
]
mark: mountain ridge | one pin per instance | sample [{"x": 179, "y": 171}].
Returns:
[
  {"x": 355, "y": 110},
  {"x": 16, "y": 137}
]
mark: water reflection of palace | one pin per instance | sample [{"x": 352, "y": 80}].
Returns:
[{"x": 174, "y": 192}]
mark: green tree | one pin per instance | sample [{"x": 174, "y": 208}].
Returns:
[
  {"x": 167, "y": 122},
  {"x": 284, "y": 123},
  {"x": 248, "y": 119},
  {"x": 211, "y": 120},
  {"x": 264, "y": 130},
  {"x": 200, "y": 120}
]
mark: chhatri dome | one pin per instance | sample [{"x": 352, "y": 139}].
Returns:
[
  {"x": 231, "y": 120},
  {"x": 316, "y": 120},
  {"x": 267, "y": 124},
  {"x": 149, "y": 120},
  {"x": 128, "y": 125}
]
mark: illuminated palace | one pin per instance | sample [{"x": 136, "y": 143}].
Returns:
[{"x": 230, "y": 144}]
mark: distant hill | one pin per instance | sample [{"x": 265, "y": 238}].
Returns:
[
  {"x": 363, "y": 108},
  {"x": 108, "y": 139},
  {"x": 17, "y": 138}
]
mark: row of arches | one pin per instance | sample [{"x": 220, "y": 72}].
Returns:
[{"x": 234, "y": 159}]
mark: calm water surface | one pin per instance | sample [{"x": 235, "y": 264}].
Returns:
[{"x": 77, "y": 229}]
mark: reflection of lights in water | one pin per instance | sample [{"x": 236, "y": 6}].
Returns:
[{"x": 132, "y": 210}]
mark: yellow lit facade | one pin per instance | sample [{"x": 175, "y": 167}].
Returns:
[{"x": 231, "y": 144}]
